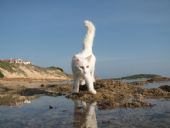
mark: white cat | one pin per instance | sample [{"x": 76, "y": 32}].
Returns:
[{"x": 83, "y": 63}]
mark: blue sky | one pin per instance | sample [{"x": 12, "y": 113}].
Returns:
[{"x": 132, "y": 36}]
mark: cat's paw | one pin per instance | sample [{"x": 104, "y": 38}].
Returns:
[{"x": 93, "y": 91}]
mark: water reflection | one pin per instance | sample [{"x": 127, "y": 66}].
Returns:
[
  {"x": 85, "y": 115},
  {"x": 15, "y": 100},
  {"x": 77, "y": 114}
]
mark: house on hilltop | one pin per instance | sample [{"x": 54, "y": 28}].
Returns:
[{"x": 16, "y": 61}]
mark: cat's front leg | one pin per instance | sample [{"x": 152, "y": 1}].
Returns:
[
  {"x": 76, "y": 84},
  {"x": 93, "y": 67},
  {"x": 92, "y": 75},
  {"x": 82, "y": 82},
  {"x": 89, "y": 82}
]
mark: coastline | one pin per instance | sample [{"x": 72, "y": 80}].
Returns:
[
  {"x": 110, "y": 93},
  {"x": 29, "y": 82}
]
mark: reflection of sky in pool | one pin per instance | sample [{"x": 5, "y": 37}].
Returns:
[{"x": 69, "y": 114}]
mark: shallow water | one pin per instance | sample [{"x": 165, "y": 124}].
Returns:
[
  {"x": 149, "y": 85},
  {"x": 156, "y": 84},
  {"x": 155, "y": 117},
  {"x": 59, "y": 112},
  {"x": 134, "y": 80}
]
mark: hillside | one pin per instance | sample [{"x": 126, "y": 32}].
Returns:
[
  {"x": 139, "y": 76},
  {"x": 12, "y": 70}
]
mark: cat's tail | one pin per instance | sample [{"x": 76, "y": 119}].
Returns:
[{"x": 88, "y": 41}]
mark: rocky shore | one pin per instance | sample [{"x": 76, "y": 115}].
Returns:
[{"x": 110, "y": 93}]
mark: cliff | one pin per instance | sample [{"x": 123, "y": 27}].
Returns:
[{"x": 12, "y": 70}]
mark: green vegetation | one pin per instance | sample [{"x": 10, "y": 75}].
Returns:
[
  {"x": 55, "y": 68},
  {"x": 139, "y": 76},
  {"x": 7, "y": 66},
  {"x": 1, "y": 75}
]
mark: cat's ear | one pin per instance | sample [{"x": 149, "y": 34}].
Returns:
[
  {"x": 89, "y": 58},
  {"x": 76, "y": 60}
]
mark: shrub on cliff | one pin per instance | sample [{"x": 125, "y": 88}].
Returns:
[
  {"x": 1, "y": 75},
  {"x": 7, "y": 66},
  {"x": 55, "y": 68}
]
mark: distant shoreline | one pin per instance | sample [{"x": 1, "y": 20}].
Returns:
[
  {"x": 33, "y": 79},
  {"x": 17, "y": 83}
]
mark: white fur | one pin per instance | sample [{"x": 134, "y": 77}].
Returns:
[{"x": 83, "y": 63}]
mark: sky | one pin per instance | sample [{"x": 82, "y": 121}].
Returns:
[{"x": 132, "y": 36}]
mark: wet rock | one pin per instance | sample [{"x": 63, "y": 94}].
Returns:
[
  {"x": 64, "y": 110},
  {"x": 156, "y": 92},
  {"x": 38, "y": 91},
  {"x": 136, "y": 104},
  {"x": 106, "y": 122},
  {"x": 32, "y": 91},
  {"x": 165, "y": 88},
  {"x": 4, "y": 89},
  {"x": 107, "y": 104},
  {"x": 113, "y": 94},
  {"x": 157, "y": 79},
  {"x": 42, "y": 85},
  {"x": 110, "y": 94},
  {"x": 66, "y": 88},
  {"x": 50, "y": 107}
]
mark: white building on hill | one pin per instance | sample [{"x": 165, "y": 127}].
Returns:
[{"x": 16, "y": 61}]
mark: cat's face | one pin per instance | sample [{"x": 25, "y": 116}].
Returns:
[{"x": 82, "y": 65}]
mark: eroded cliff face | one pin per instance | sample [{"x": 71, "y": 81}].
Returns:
[{"x": 31, "y": 71}]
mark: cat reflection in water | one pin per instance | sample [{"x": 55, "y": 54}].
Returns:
[{"x": 85, "y": 115}]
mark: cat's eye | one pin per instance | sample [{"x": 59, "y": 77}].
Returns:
[
  {"x": 81, "y": 67},
  {"x": 87, "y": 66}
]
